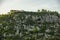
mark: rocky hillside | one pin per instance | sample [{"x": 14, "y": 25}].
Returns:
[{"x": 25, "y": 25}]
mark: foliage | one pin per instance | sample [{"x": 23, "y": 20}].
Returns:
[{"x": 25, "y": 25}]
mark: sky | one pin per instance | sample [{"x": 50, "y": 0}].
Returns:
[{"x": 29, "y": 5}]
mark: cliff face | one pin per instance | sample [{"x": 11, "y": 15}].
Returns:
[{"x": 25, "y": 25}]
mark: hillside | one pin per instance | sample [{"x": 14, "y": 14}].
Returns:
[{"x": 25, "y": 25}]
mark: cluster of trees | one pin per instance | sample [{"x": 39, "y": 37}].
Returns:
[{"x": 24, "y": 25}]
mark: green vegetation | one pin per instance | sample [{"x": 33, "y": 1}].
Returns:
[{"x": 25, "y": 25}]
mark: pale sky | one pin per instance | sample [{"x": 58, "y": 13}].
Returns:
[{"x": 29, "y": 5}]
